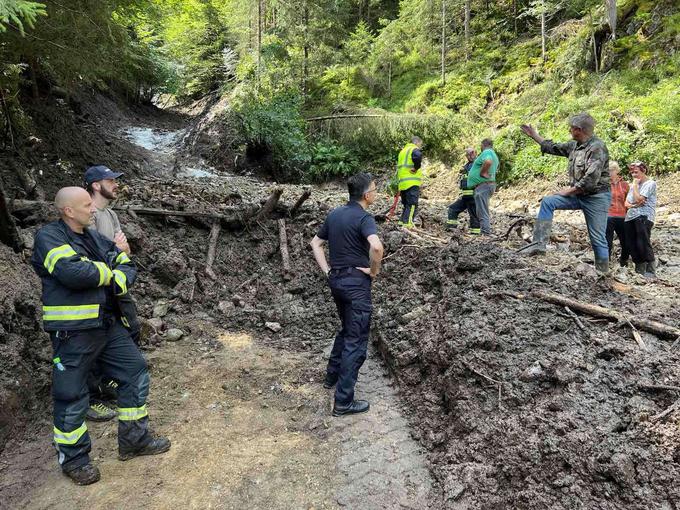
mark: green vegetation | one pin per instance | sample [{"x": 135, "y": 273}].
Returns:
[{"x": 453, "y": 71}]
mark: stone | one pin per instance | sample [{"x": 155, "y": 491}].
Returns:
[
  {"x": 533, "y": 373},
  {"x": 174, "y": 334},
  {"x": 156, "y": 323},
  {"x": 273, "y": 326},
  {"x": 417, "y": 313},
  {"x": 161, "y": 309}
]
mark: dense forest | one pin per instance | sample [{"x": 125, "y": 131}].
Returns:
[{"x": 453, "y": 71}]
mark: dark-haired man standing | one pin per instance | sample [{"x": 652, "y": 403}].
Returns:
[{"x": 355, "y": 257}]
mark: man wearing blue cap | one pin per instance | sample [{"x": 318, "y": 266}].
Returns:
[{"x": 101, "y": 183}]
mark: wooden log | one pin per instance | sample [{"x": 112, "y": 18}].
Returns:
[
  {"x": 212, "y": 248},
  {"x": 666, "y": 412},
  {"x": 659, "y": 329},
  {"x": 283, "y": 246},
  {"x": 658, "y": 387},
  {"x": 296, "y": 207},
  {"x": 269, "y": 205}
]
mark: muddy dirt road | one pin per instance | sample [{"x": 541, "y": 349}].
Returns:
[{"x": 250, "y": 427}]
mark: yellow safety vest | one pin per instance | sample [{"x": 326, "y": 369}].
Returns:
[{"x": 406, "y": 178}]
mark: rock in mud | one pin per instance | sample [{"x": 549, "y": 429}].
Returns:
[
  {"x": 174, "y": 334},
  {"x": 170, "y": 267},
  {"x": 622, "y": 470},
  {"x": 161, "y": 309},
  {"x": 421, "y": 311},
  {"x": 273, "y": 326},
  {"x": 533, "y": 373}
]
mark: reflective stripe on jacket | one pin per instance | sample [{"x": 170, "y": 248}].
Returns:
[
  {"x": 407, "y": 179},
  {"x": 73, "y": 286}
]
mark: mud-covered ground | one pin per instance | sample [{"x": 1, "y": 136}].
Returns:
[{"x": 517, "y": 404}]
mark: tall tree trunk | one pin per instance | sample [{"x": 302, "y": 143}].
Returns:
[
  {"x": 305, "y": 49},
  {"x": 514, "y": 16},
  {"x": 611, "y": 14},
  {"x": 466, "y": 27},
  {"x": 389, "y": 78},
  {"x": 543, "y": 34},
  {"x": 443, "y": 69},
  {"x": 259, "y": 41}
]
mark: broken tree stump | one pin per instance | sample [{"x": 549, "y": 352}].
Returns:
[
  {"x": 268, "y": 206},
  {"x": 303, "y": 198},
  {"x": 212, "y": 248},
  {"x": 283, "y": 246}
]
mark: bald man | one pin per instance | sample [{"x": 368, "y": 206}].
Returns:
[{"x": 83, "y": 277}]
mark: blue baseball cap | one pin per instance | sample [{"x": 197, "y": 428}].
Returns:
[{"x": 99, "y": 173}]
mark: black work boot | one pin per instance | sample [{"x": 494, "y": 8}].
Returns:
[
  {"x": 156, "y": 446},
  {"x": 330, "y": 381},
  {"x": 540, "y": 239},
  {"x": 84, "y": 475},
  {"x": 356, "y": 407}
]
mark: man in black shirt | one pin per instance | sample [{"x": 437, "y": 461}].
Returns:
[{"x": 355, "y": 256}]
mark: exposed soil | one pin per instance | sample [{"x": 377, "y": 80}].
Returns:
[{"x": 516, "y": 404}]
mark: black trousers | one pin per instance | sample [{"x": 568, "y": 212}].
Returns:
[
  {"x": 409, "y": 198},
  {"x": 351, "y": 290},
  {"x": 465, "y": 202},
  {"x": 639, "y": 239},
  {"x": 75, "y": 352},
  {"x": 616, "y": 225}
]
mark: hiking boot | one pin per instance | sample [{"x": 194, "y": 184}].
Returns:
[
  {"x": 109, "y": 390},
  {"x": 650, "y": 270},
  {"x": 540, "y": 239},
  {"x": 602, "y": 266},
  {"x": 330, "y": 381},
  {"x": 84, "y": 475},
  {"x": 641, "y": 267},
  {"x": 100, "y": 412},
  {"x": 356, "y": 407},
  {"x": 156, "y": 446}
]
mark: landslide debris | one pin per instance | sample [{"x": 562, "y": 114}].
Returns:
[{"x": 517, "y": 405}]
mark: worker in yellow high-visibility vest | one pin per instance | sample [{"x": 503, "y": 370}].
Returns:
[{"x": 410, "y": 178}]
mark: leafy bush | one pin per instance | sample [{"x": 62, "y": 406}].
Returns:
[{"x": 330, "y": 160}]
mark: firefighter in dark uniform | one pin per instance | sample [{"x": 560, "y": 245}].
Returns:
[
  {"x": 355, "y": 257},
  {"x": 83, "y": 276},
  {"x": 466, "y": 201}
]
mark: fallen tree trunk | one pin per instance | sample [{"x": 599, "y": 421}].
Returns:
[
  {"x": 657, "y": 328},
  {"x": 212, "y": 248},
  {"x": 283, "y": 246}
]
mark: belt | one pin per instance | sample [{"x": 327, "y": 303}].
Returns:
[{"x": 346, "y": 271}]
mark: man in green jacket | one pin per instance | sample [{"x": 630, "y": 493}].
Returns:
[{"x": 482, "y": 178}]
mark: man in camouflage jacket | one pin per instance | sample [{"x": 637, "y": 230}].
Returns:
[{"x": 588, "y": 188}]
